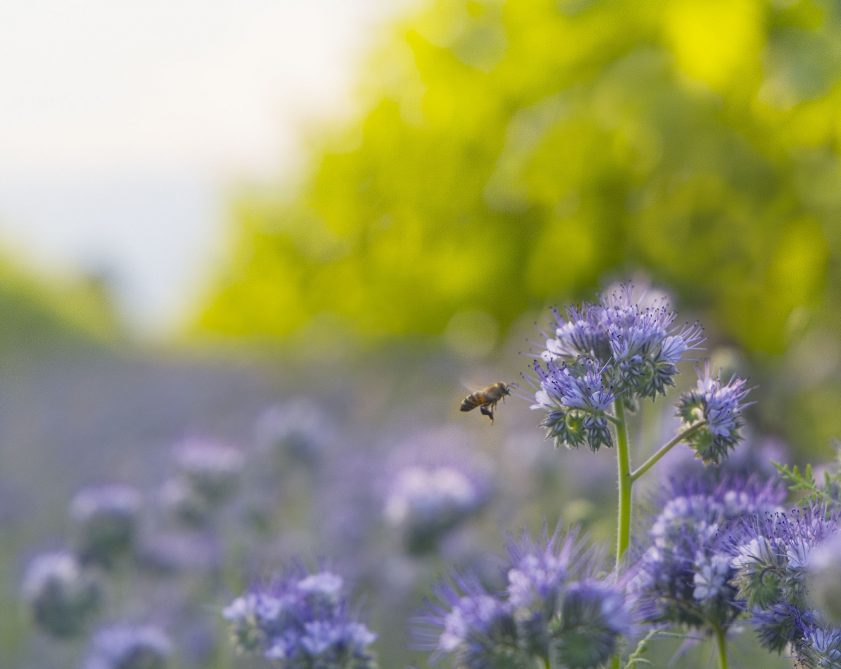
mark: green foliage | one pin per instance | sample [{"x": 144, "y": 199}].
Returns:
[
  {"x": 803, "y": 483},
  {"x": 510, "y": 154},
  {"x": 41, "y": 314}
]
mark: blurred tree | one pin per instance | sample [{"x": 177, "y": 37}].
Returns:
[
  {"x": 45, "y": 314},
  {"x": 513, "y": 153}
]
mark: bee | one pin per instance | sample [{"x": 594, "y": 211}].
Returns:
[{"x": 486, "y": 399}]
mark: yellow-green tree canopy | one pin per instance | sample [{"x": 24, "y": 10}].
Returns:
[{"x": 511, "y": 153}]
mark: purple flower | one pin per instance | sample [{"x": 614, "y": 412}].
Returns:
[
  {"x": 301, "y": 621},
  {"x": 716, "y": 409},
  {"x": 636, "y": 343},
  {"x": 104, "y": 522},
  {"x": 820, "y": 648},
  {"x": 684, "y": 577},
  {"x": 61, "y": 594},
  {"x": 212, "y": 470},
  {"x": 576, "y": 403},
  {"x": 593, "y": 618},
  {"x": 432, "y": 485},
  {"x": 126, "y": 647},
  {"x": 472, "y": 626},
  {"x": 427, "y": 501},
  {"x": 554, "y": 608},
  {"x": 297, "y": 431},
  {"x": 618, "y": 349},
  {"x": 772, "y": 554}
]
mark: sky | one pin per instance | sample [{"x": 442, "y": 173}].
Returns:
[{"x": 124, "y": 127}]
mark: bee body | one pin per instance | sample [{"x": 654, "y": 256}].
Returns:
[{"x": 486, "y": 399}]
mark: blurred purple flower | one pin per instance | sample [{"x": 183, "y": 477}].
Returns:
[
  {"x": 683, "y": 578},
  {"x": 554, "y": 609},
  {"x": 104, "y": 522},
  {"x": 301, "y": 621},
  {"x": 211, "y": 469},
  {"x": 127, "y": 647},
  {"x": 61, "y": 595},
  {"x": 297, "y": 431},
  {"x": 425, "y": 502}
]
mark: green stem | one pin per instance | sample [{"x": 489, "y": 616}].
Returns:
[
  {"x": 654, "y": 459},
  {"x": 721, "y": 642},
  {"x": 626, "y": 482}
]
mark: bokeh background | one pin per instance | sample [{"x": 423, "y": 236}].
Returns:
[{"x": 210, "y": 209}]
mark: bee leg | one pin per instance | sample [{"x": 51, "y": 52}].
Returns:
[{"x": 487, "y": 411}]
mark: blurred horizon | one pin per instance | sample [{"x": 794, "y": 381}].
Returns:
[{"x": 126, "y": 129}]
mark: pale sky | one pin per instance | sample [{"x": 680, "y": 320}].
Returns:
[{"x": 124, "y": 124}]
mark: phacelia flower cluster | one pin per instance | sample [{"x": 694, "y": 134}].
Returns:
[
  {"x": 425, "y": 502},
  {"x": 301, "y": 622},
  {"x": 772, "y": 555},
  {"x": 128, "y": 647},
  {"x": 617, "y": 348},
  {"x": 714, "y": 410},
  {"x": 553, "y": 609},
  {"x": 684, "y": 577}
]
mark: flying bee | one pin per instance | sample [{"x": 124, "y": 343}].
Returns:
[{"x": 486, "y": 399}]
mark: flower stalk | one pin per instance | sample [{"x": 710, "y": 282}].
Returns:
[
  {"x": 721, "y": 644},
  {"x": 626, "y": 482},
  {"x": 654, "y": 459}
]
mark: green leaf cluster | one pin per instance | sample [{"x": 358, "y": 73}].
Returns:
[{"x": 511, "y": 153}]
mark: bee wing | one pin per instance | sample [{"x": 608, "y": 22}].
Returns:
[{"x": 472, "y": 385}]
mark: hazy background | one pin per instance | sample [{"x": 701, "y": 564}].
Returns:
[
  {"x": 207, "y": 208},
  {"x": 124, "y": 129}
]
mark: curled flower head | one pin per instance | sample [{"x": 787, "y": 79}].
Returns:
[
  {"x": 104, "y": 522},
  {"x": 61, "y": 594},
  {"x": 126, "y": 647},
  {"x": 715, "y": 410},
  {"x": 684, "y": 577},
  {"x": 553, "y": 608},
  {"x": 212, "y": 470},
  {"x": 576, "y": 402},
  {"x": 301, "y": 621}
]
